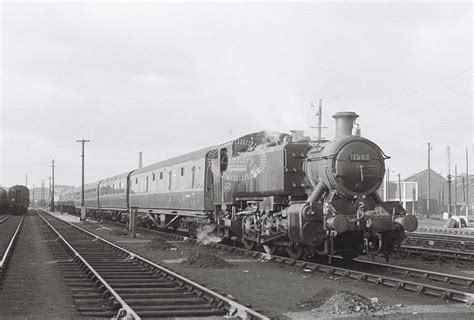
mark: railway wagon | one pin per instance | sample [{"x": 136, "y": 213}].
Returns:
[
  {"x": 18, "y": 199},
  {"x": 3, "y": 200}
]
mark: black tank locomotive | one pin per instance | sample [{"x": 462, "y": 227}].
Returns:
[{"x": 316, "y": 196}]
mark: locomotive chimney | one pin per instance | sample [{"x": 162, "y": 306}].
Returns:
[
  {"x": 344, "y": 123},
  {"x": 140, "y": 160}
]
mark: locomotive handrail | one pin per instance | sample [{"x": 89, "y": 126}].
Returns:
[
  {"x": 10, "y": 245},
  {"x": 235, "y": 309},
  {"x": 126, "y": 311}
]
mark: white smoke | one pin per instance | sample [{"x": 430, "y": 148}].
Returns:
[{"x": 205, "y": 235}]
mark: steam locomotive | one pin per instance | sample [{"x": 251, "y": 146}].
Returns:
[{"x": 269, "y": 189}]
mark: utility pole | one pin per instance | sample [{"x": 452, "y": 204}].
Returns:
[
  {"x": 428, "y": 192},
  {"x": 455, "y": 189},
  {"x": 42, "y": 192},
  {"x": 83, "y": 208},
  {"x": 448, "y": 154},
  {"x": 52, "y": 186},
  {"x": 49, "y": 191},
  {"x": 463, "y": 191},
  {"x": 33, "y": 195},
  {"x": 467, "y": 185},
  {"x": 319, "y": 114}
]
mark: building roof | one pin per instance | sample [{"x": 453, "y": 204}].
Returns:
[{"x": 419, "y": 175}]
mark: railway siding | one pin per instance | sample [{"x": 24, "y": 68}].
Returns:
[
  {"x": 31, "y": 285},
  {"x": 139, "y": 288},
  {"x": 9, "y": 230}
]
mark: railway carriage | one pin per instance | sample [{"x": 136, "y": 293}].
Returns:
[
  {"x": 114, "y": 197},
  {"x": 18, "y": 199},
  {"x": 170, "y": 191},
  {"x": 3, "y": 200}
]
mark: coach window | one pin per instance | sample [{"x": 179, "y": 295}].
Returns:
[
  {"x": 153, "y": 176},
  {"x": 146, "y": 185},
  {"x": 182, "y": 171},
  {"x": 161, "y": 175},
  {"x": 113, "y": 188},
  {"x": 120, "y": 187},
  {"x": 136, "y": 180},
  {"x": 169, "y": 181}
]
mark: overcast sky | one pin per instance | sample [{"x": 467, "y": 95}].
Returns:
[{"x": 170, "y": 78}]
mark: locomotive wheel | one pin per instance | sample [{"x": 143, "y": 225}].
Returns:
[
  {"x": 295, "y": 251},
  {"x": 248, "y": 244}
]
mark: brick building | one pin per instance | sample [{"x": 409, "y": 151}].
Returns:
[{"x": 438, "y": 192}]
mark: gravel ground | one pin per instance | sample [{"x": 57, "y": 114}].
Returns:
[
  {"x": 33, "y": 287},
  {"x": 276, "y": 290}
]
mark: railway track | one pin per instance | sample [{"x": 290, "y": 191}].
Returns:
[
  {"x": 3, "y": 219},
  {"x": 439, "y": 253},
  {"x": 439, "y": 246},
  {"x": 9, "y": 231},
  {"x": 99, "y": 271},
  {"x": 460, "y": 243},
  {"x": 435, "y": 284}
]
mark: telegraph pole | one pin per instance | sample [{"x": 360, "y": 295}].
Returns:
[
  {"x": 42, "y": 193},
  {"x": 448, "y": 153},
  {"x": 455, "y": 189},
  {"x": 33, "y": 195},
  {"x": 52, "y": 186},
  {"x": 320, "y": 118},
  {"x": 83, "y": 208},
  {"x": 429, "y": 183},
  {"x": 49, "y": 191},
  {"x": 467, "y": 185}
]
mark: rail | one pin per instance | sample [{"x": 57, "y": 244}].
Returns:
[
  {"x": 9, "y": 249},
  {"x": 4, "y": 219},
  {"x": 126, "y": 312}
]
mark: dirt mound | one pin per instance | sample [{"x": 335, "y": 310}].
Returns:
[
  {"x": 330, "y": 301},
  {"x": 318, "y": 299},
  {"x": 206, "y": 261},
  {"x": 158, "y": 243}
]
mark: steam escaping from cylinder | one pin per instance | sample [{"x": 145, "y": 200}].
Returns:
[{"x": 205, "y": 235}]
